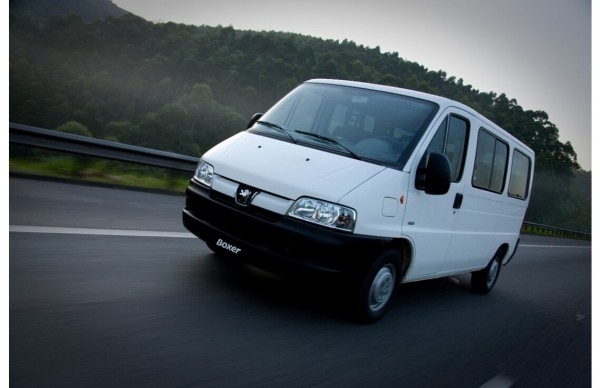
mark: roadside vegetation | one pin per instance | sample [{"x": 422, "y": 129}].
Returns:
[{"x": 25, "y": 161}]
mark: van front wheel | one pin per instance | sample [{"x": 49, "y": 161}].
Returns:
[
  {"x": 484, "y": 280},
  {"x": 378, "y": 288}
]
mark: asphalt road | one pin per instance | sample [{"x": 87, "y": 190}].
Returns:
[{"x": 108, "y": 290}]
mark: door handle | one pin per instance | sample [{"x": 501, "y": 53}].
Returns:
[{"x": 458, "y": 201}]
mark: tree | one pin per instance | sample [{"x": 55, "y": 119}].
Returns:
[{"x": 75, "y": 128}]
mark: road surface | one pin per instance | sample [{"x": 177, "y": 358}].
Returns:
[{"x": 107, "y": 289}]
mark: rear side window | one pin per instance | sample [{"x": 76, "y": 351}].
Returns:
[
  {"x": 518, "y": 186},
  {"x": 490, "y": 163}
]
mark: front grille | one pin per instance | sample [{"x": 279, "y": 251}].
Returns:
[
  {"x": 248, "y": 223},
  {"x": 256, "y": 211}
]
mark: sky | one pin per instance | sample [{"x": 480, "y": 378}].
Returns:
[{"x": 538, "y": 52}]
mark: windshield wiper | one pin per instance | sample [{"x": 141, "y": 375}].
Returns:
[
  {"x": 332, "y": 141},
  {"x": 278, "y": 128}
]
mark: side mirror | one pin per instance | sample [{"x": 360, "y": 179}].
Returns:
[
  {"x": 254, "y": 119},
  {"x": 435, "y": 179}
]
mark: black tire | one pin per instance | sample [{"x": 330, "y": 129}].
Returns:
[
  {"x": 376, "y": 289},
  {"x": 484, "y": 280}
]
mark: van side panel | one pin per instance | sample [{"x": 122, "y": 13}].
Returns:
[
  {"x": 483, "y": 225},
  {"x": 449, "y": 240},
  {"x": 487, "y": 219}
]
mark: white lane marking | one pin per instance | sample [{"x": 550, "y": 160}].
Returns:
[
  {"x": 499, "y": 381},
  {"x": 98, "y": 232},
  {"x": 553, "y": 246}
]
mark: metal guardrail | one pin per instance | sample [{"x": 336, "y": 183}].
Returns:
[{"x": 82, "y": 145}]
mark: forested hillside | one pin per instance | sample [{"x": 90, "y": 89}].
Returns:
[
  {"x": 183, "y": 88},
  {"x": 88, "y": 10}
]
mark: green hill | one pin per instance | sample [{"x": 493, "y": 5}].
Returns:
[{"x": 88, "y": 10}]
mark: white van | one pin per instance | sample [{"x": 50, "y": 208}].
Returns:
[{"x": 376, "y": 184}]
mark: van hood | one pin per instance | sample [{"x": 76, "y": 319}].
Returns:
[{"x": 286, "y": 169}]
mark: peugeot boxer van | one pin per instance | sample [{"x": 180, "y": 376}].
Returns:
[{"x": 373, "y": 184}]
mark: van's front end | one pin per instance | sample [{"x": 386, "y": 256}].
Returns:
[
  {"x": 276, "y": 205},
  {"x": 270, "y": 213},
  {"x": 315, "y": 184}
]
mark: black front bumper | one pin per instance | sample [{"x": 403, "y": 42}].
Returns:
[{"x": 275, "y": 243}]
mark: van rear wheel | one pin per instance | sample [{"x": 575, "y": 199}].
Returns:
[
  {"x": 484, "y": 280},
  {"x": 378, "y": 287}
]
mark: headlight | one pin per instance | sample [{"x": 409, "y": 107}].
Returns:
[
  {"x": 324, "y": 213},
  {"x": 204, "y": 173}
]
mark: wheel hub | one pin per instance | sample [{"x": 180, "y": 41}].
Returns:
[
  {"x": 381, "y": 288},
  {"x": 493, "y": 273}
]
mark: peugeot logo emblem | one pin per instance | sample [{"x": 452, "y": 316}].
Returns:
[{"x": 244, "y": 195}]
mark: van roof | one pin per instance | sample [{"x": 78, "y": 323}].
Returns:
[
  {"x": 385, "y": 88},
  {"x": 443, "y": 102}
]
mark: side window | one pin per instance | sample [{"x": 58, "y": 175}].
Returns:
[
  {"x": 518, "y": 186},
  {"x": 450, "y": 140},
  {"x": 490, "y": 162}
]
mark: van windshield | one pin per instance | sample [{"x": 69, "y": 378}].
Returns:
[{"x": 366, "y": 124}]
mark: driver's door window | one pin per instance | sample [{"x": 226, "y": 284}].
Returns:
[{"x": 450, "y": 140}]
